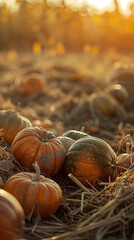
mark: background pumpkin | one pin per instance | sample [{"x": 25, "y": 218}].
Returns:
[
  {"x": 47, "y": 124},
  {"x": 36, "y": 193},
  {"x": 119, "y": 92},
  {"x": 103, "y": 103},
  {"x": 66, "y": 141},
  {"x": 11, "y": 217},
  {"x": 89, "y": 159},
  {"x": 32, "y": 83},
  {"x": 12, "y": 122},
  {"x": 74, "y": 134},
  {"x": 35, "y": 144},
  {"x": 124, "y": 161}
]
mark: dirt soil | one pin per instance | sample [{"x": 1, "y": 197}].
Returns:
[{"x": 64, "y": 103}]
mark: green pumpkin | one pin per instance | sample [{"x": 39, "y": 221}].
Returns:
[
  {"x": 91, "y": 159},
  {"x": 74, "y": 134}
]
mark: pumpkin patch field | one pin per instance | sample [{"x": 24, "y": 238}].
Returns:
[
  {"x": 66, "y": 120},
  {"x": 66, "y": 146}
]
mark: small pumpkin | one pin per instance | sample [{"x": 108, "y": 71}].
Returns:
[
  {"x": 66, "y": 141},
  {"x": 124, "y": 161},
  {"x": 32, "y": 83},
  {"x": 90, "y": 159},
  {"x": 36, "y": 144},
  {"x": 119, "y": 92},
  {"x": 103, "y": 103},
  {"x": 12, "y": 122},
  {"x": 47, "y": 124},
  {"x": 11, "y": 217},
  {"x": 36, "y": 193},
  {"x": 74, "y": 134}
]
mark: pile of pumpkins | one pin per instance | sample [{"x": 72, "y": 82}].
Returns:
[{"x": 29, "y": 194}]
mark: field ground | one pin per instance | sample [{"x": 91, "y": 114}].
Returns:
[{"x": 70, "y": 80}]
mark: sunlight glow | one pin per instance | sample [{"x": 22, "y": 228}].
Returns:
[{"x": 99, "y": 5}]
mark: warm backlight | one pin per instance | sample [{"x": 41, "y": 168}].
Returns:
[{"x": 100, "y": 5}]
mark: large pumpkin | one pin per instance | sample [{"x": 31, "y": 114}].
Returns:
[
  {"x": 91, "y": 159},
  {"x": 12, "y": 122},
  {"x": 35, "y": 144},
  {"x": 11, "y": 217},
  {"x": 36, "y": 193}
]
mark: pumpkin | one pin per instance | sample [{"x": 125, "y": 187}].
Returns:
[
  {"x": 125, "y": 77},
  {"x": 90, "y": 159},
  {"x": 36, "y": 144},
  {"x": 47, "y": 124},
  {"x": 11, "y": 217},
  {"x": 119, "y": 92},
  {"x": 66, "y": 141},
  {"x": 12, "y": 122},
  {"x": 74, "y": 134},
  {"x": 124, "y": 161},
  {"x": 32, "y": 83},
  {"x": 103, "y": 103},
  {"x": 36, "y": 193}
]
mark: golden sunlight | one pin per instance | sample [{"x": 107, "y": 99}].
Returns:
[{"x": 99, "y": 5}]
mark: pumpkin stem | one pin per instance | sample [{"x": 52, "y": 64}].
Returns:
[
  {"x": 44, "y": 135},
  {"x": 82, "y": 129},
  {"x": 37, "y": 169}
]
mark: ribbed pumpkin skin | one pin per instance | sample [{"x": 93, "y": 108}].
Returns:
[
  {"x": 11, "y": 217},
  {"x": 46, "y": 192},
  {"x": 89, "y": 159},
  {"x": 31, "y": 146},
  {"x": 74, "y": 134},
  {"x": 12, "y": 122}
]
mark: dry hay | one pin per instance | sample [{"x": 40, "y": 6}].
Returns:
[
  {"x": 90, "y": 213},
  {"x": 85, "y": 213}
]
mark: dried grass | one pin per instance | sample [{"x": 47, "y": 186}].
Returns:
[{"x": 93, "y": 213}]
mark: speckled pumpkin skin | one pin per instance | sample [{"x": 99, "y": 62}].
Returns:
[
  {"x": 90, "y": 159},
  {"x": 74, "y": 134}
]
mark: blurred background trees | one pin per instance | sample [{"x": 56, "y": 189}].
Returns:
[{"x": 61, "y": 28}]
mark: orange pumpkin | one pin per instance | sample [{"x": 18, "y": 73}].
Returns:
[
  {"x": 47, "y": 124},
  {"x": 91, "y": 159},
  {"x": 32, "y": 83},
  {"x": 35, "y": 144},
  {"x": 36, "y": 193},
  {"x": 11, "y": 217},
  {"x": 12, "y": 122}
]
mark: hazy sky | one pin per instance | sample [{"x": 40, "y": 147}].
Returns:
[{"x": 99, "y": 4}]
